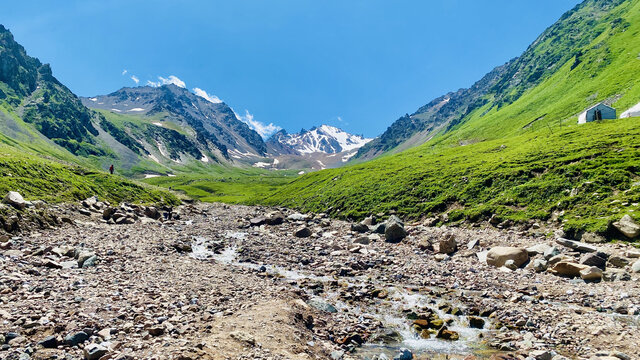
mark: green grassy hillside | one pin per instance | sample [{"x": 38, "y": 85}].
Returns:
[
  {"x": 519, "y": 155},
  {"x": 37, "y": 178},
  {"x": 586, "y": 175}
]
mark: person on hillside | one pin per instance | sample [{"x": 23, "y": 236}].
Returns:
[{"x": 111, "y": 169}]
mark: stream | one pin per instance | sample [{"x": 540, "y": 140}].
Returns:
[{"x": 388, "y": 312}]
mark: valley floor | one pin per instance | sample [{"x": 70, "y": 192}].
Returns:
[{"x": 211, "y": 286}]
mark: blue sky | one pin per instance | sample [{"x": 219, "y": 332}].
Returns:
[{"x": 355, "y": 64}]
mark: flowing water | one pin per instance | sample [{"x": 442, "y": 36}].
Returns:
[{"x": 388, "y": 312}]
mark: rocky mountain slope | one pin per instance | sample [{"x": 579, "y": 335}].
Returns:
[
  {"x": 317, "y": 148},
  {"x": 577, "y": 39},
  {"x": 209, "y": 126}
]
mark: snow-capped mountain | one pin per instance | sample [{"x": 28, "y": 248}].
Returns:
[
  {"x": 324, "y": 139},
  {"x": 318, "y": 148}
]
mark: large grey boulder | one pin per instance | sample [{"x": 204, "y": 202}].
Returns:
[
  {"x": 447, "y": 245},
  {"x": 636, "y": 267},
  {"x": 94, "y": 351},
  {"x": 591, "y": 273},
  {"x": 628, "y": 227},
  {"x": 394, "y": 231},
  {"x": 499, "y": 255},
  {"x": 16, "y": 200}
]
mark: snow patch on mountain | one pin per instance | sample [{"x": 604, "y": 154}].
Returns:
[{"x": 324, "y": 139}]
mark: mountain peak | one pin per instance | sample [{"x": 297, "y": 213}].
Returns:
[{"x": 319, "y": 139}]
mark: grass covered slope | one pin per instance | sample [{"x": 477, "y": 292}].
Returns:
[
  {"x": 226, "y": 184},
  {"x": 586, "y": 176},
  {"x": 37, "y": 178}
]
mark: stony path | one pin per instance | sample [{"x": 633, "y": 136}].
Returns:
[{"x": 220, "y": 282}]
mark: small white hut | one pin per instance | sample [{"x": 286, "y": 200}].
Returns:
[
  {"x": 597, "y": 112},
  {"x": 632, "y": 112}
]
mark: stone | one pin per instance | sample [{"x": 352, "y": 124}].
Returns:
[
  {"x": 156, "y": 330},
  {"x": 15, "y": 199},
  {"x": 539, "y": 265},
  {"x": 105, "y": 333},
  {"x": 322, "y": 306},
  {"x": 568, "y": 269},
  {"x": 404, "y": 354},
  {"x": 152, "y": 212},
  {"x": 379, "y": 228},
  {"x": 446, "y": 334},
  {"x": 628, "y": 227},
  {"x": 359, "y": 227},
  {"x": 76, "y": 338},
  {"x": 49, "y": 342},
  {"x": 541, "y": 355},
  {"x": 618, "y": 261},
  {"x": 394, "y": 231},
  {"x": 592, "y": 259},
  {"x": 551, "y": 252},
  {"x": 94, "y": 351},
  {"x": 370, "y": 220},
  {"x": 90, "y": 262},
  {"x": 476, "y": 322},
  {"x": 499, "y": 255},
  {"x": 275, "y": 218},
  {"x": 636, "y": 267},
  {"x": 303, "y": 232},
  {"x": 243, "y": 337},
  {"x": 593, "y": 238},
  {"x": 576, "y": 245},
  {"x": 539, "y": 249},
  {"x": 441, "y": 257},
  {"x": 297, "y": 217},
  {"x": 108, "y": 212},
  {"x": 447, "y": 245},
  {"x": 257, "y": 221},
  {"x": 83, "y": 256},
  {"x": 473, "y": 243},
  {"x": 592, "y": 273},
  {"x": 363, "y": 240},
  {"x": 616, "y": 275},
  {"x": 425, "y": 244},
  {"x": 633, "y": 253}
]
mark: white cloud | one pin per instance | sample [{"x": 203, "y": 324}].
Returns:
[
  {"x": 203, "y": 94},
  {"x": 135, "y": 79},
  {"x": 172, "y": 79},
  {"x": 263, "y": 129},
  {"x": 125, "y": 71}
]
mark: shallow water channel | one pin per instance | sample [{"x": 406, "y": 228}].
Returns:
[{"x": 388, "y": 312}]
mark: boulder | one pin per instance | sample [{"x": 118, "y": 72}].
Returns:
[
  {"x": 303, "y": 232},
  {"x": 50, "y": 342},
  {"x": 539, "y": 265},
  {"x": 618, "y": 261},
  {"x": 94, "y": 351},
  {"x": 447, "y": 245},
  {"x": 84, "y": 256},
  {"x": 591, "y": 273},
  {"x": 359, "y": 227},
  {"x": 576, "y": 245},
  {"x": 394, "y": 231},
  {"x": 476, "y": 322},
  {"x": 539, "y": 249},
  {"x": 404, "y": 354},
  {"x": 275, "y": 218},
  {"x": 499, "y": 255},
  {"x": 592, "y": 238},
  {"x": 551, "y": 252},
  {"x": 15, "y": 199},
  {"x": 628, "y": 227},
  {"x": 636, "y": 267},
  {"x": 592, "y": 259},
  {"x": 76, "y": 338},
  {"x": 568, "y": 269},
  {"x": 257, "y": 221}
]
